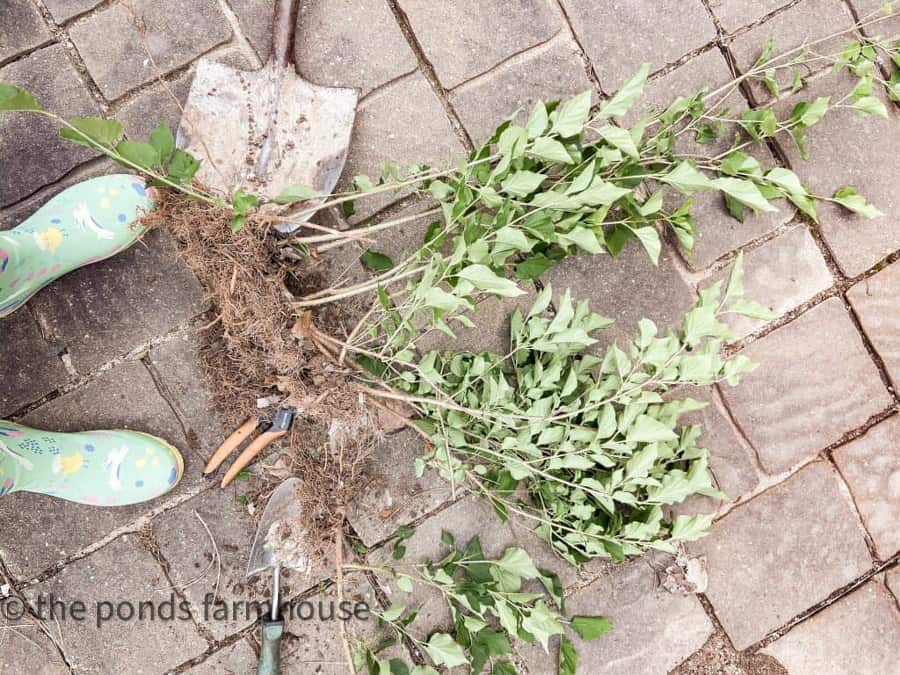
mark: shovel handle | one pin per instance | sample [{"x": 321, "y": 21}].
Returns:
[
  {"x": 283, "y": 27},
  {"x": 270, "y": 650}
]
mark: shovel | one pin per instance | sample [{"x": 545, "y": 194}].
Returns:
[
  {"x": 283, "y": 509},
  {"x": 266, "y": 130}
]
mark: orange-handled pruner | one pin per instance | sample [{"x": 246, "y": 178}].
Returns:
[{"x": 270, "y": 428}]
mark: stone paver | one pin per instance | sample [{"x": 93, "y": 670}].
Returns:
[
  {"x": 802, "y": 24},
  {"x": 140, "y": 115},
  {"x": 627, "y": 289},
  {"x": 781, "y": 274},
  {"x": 31, "y": 369},
  {"x": 892, "y": 579},
  {"x": 802, "y": 398},
  {"x": 111, "y": 583},
  {"x": 21, "y": 28},
  {"x": 858, "y": 634},
  {"x": 331, "y": 49},
  {"x": 619, "y": 36},
  {"x": 49, "y": 529},
  {"x": 653, "y": 630},
  {"x": 317, "y": 647},
  {"x": 845, "y": 149},
  {"x": 381, "y": 134},
  {"x": 32, "y": 153},
  {"x": 63, "y": 10},
  {"x": 186, "y": 546},
  {"x": 871, "y": 466},
  {"x": 235, "y": 659},
  {"x": 735, "y": 14},
  {"x": 102, "y": 311},
  {"x": 23, "y": 641},
  {"x": 783, "y": 552},
  {"x": 465, "y": 38},
  {"x": 550, "y": 72},
  {"x": 875, "y": 302},
  {"x": 717, "y": 232},
  {"x": 178, "y": 367},
  {"x": 175, "y": 34},
  {"x": 394, "y": 495}
]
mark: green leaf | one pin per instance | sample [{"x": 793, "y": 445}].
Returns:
[
  {"x": 516, "y": 561},
  {"x": 104, "y": 132},
  {"x": 787, "y": 180},
  {"x": 503, "y": 668},
  {"x": 363, "y": 183},
  {"x": 295, "y": 193},
  {"x": 183, "y": 166},
  {"x": 745, "y": 192},
  {"x": 619, "y": 138},
  {"x": 542, "y": 623},
  {"x": 393, "y": 612},
  {"x": 533, "y": 266},
  {"x": 143, "y": 155},
  {"x": 375, "y": 261},
  {"x": 551, "y": 150},
  {"x": 13, "y": 99},
  {"x": 568, "y": 657},
  {"x": 646, "y": 429},
  {"x": 571, "y": 117},
  {"x": 522, "y": 183},
  {"x": 444, "y": 651},
  {"x": 162, "y": 139},
  {"x": 424, "y": 670},
  {"x": 484, "y": 279},
  {"x": 808, "y": 114},
  {"x": 687, "y": 179},
  {"x": 870, "y": 105},
  {"x": 691, "y": 528},
  {"x": 735, "y": 288},
  {"x": 649, "y": 238},
  {"x": 404, "y": 583},
  {"x": 447, "y": 538},
  {"x": 626, "y": 96},
  {"x": 591, "y": 627},
  {"x": 537, "y": 122},
  {"x": 243, "y": 201},
  {"x": 600, "y": 193},
  {"x": 582, "y": 237},
  {"x": 852, "y": 200}
]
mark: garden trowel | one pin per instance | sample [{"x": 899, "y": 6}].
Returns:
[
  {"x": 281, "y": 513},
  {"x": 266, "y": 130}
]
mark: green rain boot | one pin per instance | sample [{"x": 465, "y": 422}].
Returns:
[
  {"x": 83, "y": 224},
  {"x": 102, "y": 468}
]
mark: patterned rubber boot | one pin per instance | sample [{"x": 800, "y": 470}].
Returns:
[
  {"x": 102, "y": 468},
  {"x": 83, "y": 224}
]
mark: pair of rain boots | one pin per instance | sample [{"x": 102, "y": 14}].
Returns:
[{"x": 86, "y": 223}]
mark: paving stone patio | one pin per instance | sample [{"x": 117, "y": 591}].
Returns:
[{"x": 803, "y": 574}]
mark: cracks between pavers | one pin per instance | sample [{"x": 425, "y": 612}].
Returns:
[
  {"x": 585, "y": 59},
  {"x": 427, "y": 69}
]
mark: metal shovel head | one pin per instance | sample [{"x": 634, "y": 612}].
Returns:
[
  {"x": 266, "y": 130},
  {"x": 284, "y": 506}
]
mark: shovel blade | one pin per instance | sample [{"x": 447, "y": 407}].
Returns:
[{"x": 231, "y": 114}]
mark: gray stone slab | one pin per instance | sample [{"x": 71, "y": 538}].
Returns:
[
  {"x": 33, "y": 155},
  {"x": 29, "y": 367},
  {"x": 627, "y": 289},
  {"x": 550, "y": 72},
  {"x": 124, "y": 574},
  {"x": 176, "y": 33},
  {"x": 875, "y": 302},
  {"x": 892, "y": 579},
  {"x": 781, "y": 274},
  {"x": 44, "y": 530},
  {"x": 619, "y": 36},
  {"x": 405, "y": 123},
  {"x": 255, "y": 20},
  {"x": 871, "y": 466},
  {"x": 846, "y": 149},
  {"x": 801, "y": 398},
  {"x": 331, "y": 50},
  {"x": 238, "y": 658},
  {"x": 783, "y": 552},
  {"x": 317, "y": 647},
  {"x": 63, "y": 10},
  {"x": 140, "y": 115},
  {"x": 804, "y": 23},
  {"x": 177, "y": 363},
  {"x": 465, "y": 38},
  {"x": 653, "y": 630},
  {"x": 21, "y": 28},
  {"x": 24, "y": 641},
  {"x": 394, "y": 495},
  {"x": 720, "y": 657},
  {"x": 717, "y": 231},
  {"x": 103, "y": 311},
  {"x": 857, "y": 634},
  {"x": 186, "y": 546},
  {"x": 735, "y": 14}
]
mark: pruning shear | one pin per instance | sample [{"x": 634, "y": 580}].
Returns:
[{"x": 271, "y": 428}]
